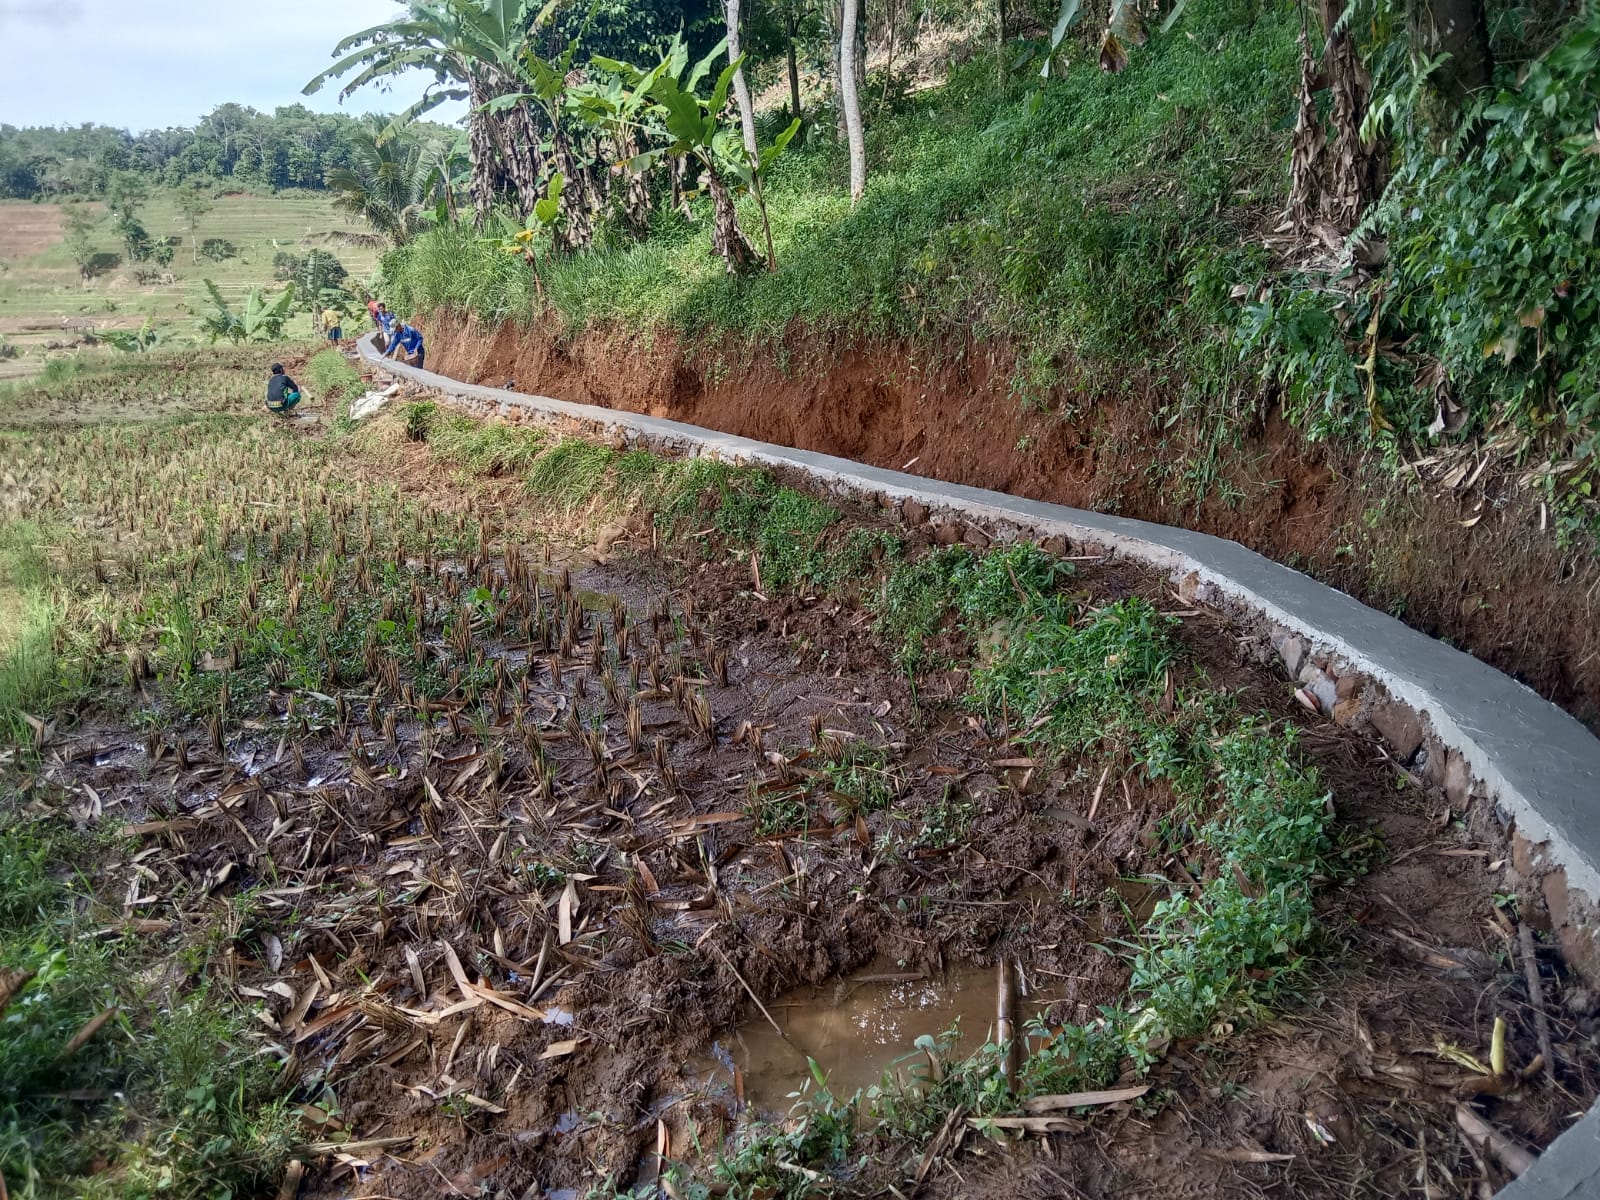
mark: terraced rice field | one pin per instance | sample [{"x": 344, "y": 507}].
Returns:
[{"x": 462, "y": 809}]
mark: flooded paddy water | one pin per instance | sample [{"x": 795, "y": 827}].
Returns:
[{"x": 856, "y": 1031}]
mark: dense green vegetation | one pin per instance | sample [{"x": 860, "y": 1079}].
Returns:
[
  {"x": 290, "y": 147},
  {"x": 1123, "y": 232},
  {"x": 195, "y": 1111},
  {"x": 956, "y": 231}
]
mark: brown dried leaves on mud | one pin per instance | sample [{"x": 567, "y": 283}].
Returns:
[{"x": 485, "y": 936}]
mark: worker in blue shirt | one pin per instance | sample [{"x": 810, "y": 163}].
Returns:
[{"x": 407, "y": 338}]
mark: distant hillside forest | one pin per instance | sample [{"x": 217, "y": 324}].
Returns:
[{"x": 290, "y": 147}]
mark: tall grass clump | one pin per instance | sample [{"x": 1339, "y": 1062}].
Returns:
[
  {"x": 571, "y": 470},
  {"x": 920, "y": 596},
  {"x": 29, "y": 616},
  {"x": 483, "y": 447},
  {"x": 333, "y": 376},
  {"x": 452, "y": 267}
]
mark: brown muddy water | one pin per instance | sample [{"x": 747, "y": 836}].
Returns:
[
  {"x": 858, "y": 1031},
  {"x": 865, "y": 1029}
]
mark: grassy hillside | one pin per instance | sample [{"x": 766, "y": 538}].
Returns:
[
  {"x": 42, "y": 297},
  {"x": 1091, "y": 219},
  {"x": 1120, "y": 234}
]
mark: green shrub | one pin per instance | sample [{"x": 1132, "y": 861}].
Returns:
[{"x": 419, "y": 418}]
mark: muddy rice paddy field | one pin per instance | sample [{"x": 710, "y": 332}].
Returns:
[{"x": 548, "y": 821}]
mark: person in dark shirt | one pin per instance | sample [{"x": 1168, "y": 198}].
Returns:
[
  {"x": 283, "y": 393},
  {"x": 407, "y": 338}
]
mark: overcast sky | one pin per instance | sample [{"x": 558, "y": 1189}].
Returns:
[{"x": 147, "y": 64}]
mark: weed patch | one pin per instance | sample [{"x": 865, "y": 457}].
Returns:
[
  {"x": 1099, "y": 684},
  {"x": 29, "y": 616},
  {"x": 570, "y": 471},
  {"x": 482, "y": 447},
  {"x": 165, "y": 1098},
  {"x": 332, "y": 377}
]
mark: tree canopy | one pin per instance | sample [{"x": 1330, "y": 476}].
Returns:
[{"x": 290, "y": 147}]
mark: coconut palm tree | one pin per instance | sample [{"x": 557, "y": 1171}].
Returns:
[{"x": 395, "y": 185}]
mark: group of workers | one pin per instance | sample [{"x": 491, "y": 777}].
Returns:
[
  {"x": 403, "y": 337},
  {"x": 404, "y": 342}
]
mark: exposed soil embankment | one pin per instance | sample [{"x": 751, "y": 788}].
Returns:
[{"x": 1457, "y": 555}]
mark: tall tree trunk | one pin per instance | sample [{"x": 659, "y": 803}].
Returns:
[
  {"x": 891, "y": 21},
  {"x": 794, "y": 75},
  {"x": 481, "y": 151},
  {"x": 680, "y": 190},
  {"x": 727, "y": 239},
  {"x": 850, "y": 98},
  {"x": 1352, "y": 182},
  {"x": 1305, "y": 155},
  {"x": 517, "y": 140},
  {"x": 836, "y": 26},
  {"x": 636, "y": 203},
  {"x": 741, "y": 89},
  {"x": 1457, "y": 29},
  {"x": 578, "y": 227}
]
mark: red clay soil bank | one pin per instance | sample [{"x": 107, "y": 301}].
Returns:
[{"x": 1494, "y": 586}]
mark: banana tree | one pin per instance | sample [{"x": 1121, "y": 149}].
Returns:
[
  {"x": 1125, "y": 27},
  {"x": 543, "y": 85},
  {"x": 698, "y": 130},
  {"x": 614, "y": 100},
  {"x": 546, "y": 219},
  {"x": 751, "y": 172},
  {"x": 260, "y": 320},
  {"x": 132, "y": 341}
]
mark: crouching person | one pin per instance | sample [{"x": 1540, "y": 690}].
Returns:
[
  {"x": 407, "y": 339},
  {"x": 282, "y": 392}
]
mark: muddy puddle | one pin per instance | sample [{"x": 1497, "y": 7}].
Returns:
[
  {"x": 858, "y": 1030},
  {"x": 864, "y": 1028}
]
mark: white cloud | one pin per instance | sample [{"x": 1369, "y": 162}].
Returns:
[
  {"x": 168, "y": 62},
  {"x": 62, "y": 13}
]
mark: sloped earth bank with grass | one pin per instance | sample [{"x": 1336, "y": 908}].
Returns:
[
  {"x": 1451, "y": 548},
  {"x": 430, "y": 806},
  {"x": 1090, "y": 290}
]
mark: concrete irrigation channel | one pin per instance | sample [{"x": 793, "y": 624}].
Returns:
[{"x": 1448, "y": 718}]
